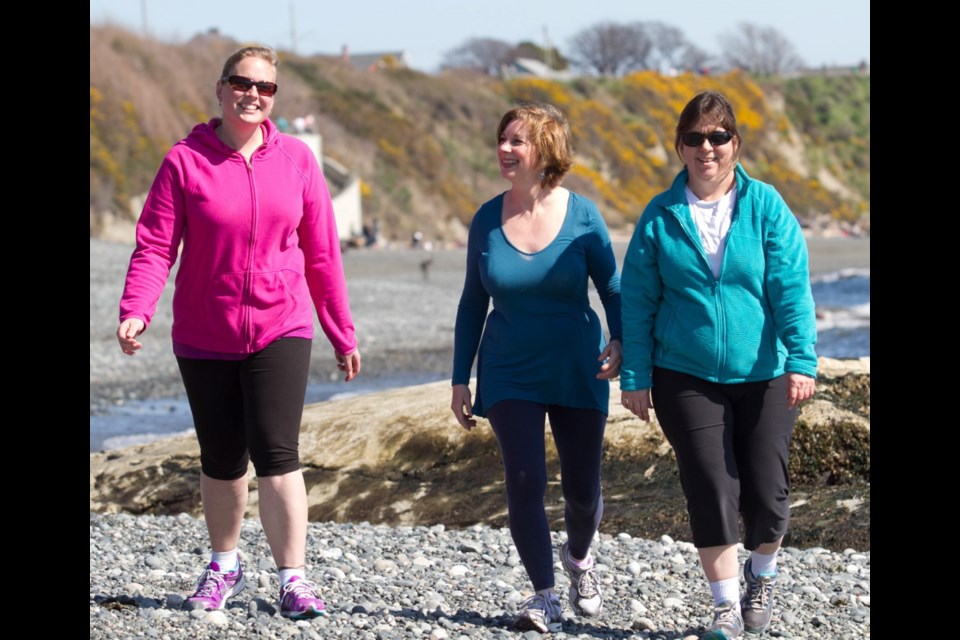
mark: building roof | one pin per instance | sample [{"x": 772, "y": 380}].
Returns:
[
  {"x": 376, "y": 60},
  {"x": 534, "y": 67}
]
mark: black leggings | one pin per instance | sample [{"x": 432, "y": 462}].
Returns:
[
  {"x": 578, "y": 436},
  {"x": 249, "y": 409},
  {"x": 732, "y": 443}
]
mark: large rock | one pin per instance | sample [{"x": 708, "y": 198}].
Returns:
[{"x": 398, "y": 457}]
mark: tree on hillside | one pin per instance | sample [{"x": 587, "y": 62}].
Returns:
[
  {"x": 693, "y": 58},
  {"x": 759, "y": 50},
  {"x": 667, "y": 44},
  {"x": 480, "y": 54},
  {"x": 611, "y": 49}
]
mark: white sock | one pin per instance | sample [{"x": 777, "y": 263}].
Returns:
[
  {"x": 584, "y": 564},
  {"x": 763, "y": 564},
  {"x": 226, "y": 560},
  {"x": 726, "y": 591},
  {"x": 286, "y": 574}
]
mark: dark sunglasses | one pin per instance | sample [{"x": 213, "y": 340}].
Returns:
[
  {"x": 240, "y": 83},
  {"x": 716, "y": 138}
]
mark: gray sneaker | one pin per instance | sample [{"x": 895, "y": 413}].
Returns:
[
  {"x": 538, "y": 613},
  {"x": 727, "y": 623},
  {"x": 757, "y": 602},
  {"x": 584, "y": 593}
]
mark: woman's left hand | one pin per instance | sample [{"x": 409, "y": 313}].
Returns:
[
  {"x": 612, "y": 357},
  {"x": 350, "y": 363},
  {"x": 799, "y": 388}
]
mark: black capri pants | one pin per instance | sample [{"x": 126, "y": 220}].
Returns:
[
  {"x": 249, "y": 409},
  {"x": 732, "y": 443}
]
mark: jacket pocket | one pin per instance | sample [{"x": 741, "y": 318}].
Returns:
[
  {"x": 664, "y": 327},
  {"x": 277, "y": 301}
]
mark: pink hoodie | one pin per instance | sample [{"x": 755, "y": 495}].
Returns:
[{"x": 259, "y": 242}]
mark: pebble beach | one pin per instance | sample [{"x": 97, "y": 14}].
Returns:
[
  {"x": 430, "y": 583},
  {"x": 383, "y": 583}
]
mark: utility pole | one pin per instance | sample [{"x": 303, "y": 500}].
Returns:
[
  {"x": 143, "y": 15},
  {"x": 293, "y": 30},
  {"x": 547, "y": 51}
]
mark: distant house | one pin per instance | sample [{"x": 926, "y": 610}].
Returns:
[
  {"x": 344, "y": 189},
  {"x": 377, "y": 60},
  {"x": 519, "y": 67},
  {"x": 861, "y": 69}
]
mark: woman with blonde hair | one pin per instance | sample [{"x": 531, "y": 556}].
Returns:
[{"x": 260, "y": 244}]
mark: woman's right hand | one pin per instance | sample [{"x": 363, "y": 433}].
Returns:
[
  {"x": 462, "y": 406},
  {"x": 637, "y": 402},
  {"x": 127, "y": 334}
]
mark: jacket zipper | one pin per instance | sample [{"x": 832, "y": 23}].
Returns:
[{"x": 247, "y": 275}]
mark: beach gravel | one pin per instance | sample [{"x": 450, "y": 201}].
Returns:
[{"x": 383, "y": 583}]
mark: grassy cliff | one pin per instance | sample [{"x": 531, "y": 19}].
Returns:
[{"x": 423, "y": 144}]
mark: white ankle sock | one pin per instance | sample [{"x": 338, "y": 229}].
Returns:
[
  {"x": 226, "y": 560},
  {"x": 586, "y": 563},
  {"x": 286, "y": 574},
  {"x": 763, "y": 564},
  {"x": 726, "y": 591}
]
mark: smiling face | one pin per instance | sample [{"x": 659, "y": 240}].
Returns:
[
  {"x": 517, "y": 155},
  {"x": 247, "y": 108},
  {"x": 710, "y": 167}
]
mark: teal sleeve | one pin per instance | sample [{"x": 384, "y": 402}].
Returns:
[
  {"x": 788, "y": 286},
  {"x": 602, "y": 267},
  {"x": 640, "y": 289},
  {"x": 472, "y": 310}
]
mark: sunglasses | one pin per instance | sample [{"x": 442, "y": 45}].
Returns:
[
  {"x": 716, "y": 138},
  {"x": 242, "y": 84}
]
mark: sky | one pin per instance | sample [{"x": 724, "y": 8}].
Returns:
[{"x": 823, "y": 32}]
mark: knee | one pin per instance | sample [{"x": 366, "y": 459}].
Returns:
[
  {"x": 765, "y": 522},
  {"x": 223, "y": 468},
  {"x": 275, "y": 463},
  {"x": 582, "y": 502},
  {"x": 522, "y": 486}
]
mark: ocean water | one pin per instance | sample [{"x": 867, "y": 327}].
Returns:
[
  {"x": 843, "y": 313},
  {"x": 843, "y": 331}
]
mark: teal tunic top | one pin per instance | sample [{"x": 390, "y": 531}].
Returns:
[{"x": 542, "y": 339}]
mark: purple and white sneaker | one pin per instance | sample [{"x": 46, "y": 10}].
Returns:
[
  {"x": 300, "y": 600},
  {"x": 214, "y": 587}
]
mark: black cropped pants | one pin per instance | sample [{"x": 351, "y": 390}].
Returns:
[
  {"x": 732, "y": 443},
  {"x": 249, "y": 409}
]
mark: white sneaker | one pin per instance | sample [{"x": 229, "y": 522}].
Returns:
[{"x": 584, "y": 593}]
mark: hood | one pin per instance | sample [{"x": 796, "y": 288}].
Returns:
[{"x": 205, "y": 135}]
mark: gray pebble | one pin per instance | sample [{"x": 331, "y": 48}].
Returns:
[{"x": 379, "y": 591}]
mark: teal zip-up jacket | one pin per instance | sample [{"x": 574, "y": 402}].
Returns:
[{"x": 755, "y": 322}]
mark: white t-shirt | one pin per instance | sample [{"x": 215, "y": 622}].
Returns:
[{"x": 713, "y": 223}]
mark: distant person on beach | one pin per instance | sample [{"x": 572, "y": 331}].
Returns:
[
  {"x": 532, "y": 250},
  {"x": 259, "y": 243},
  {"x": 719, "y": 333}
]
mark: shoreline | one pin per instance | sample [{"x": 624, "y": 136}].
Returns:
[{"x": 404, "y": 314}]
